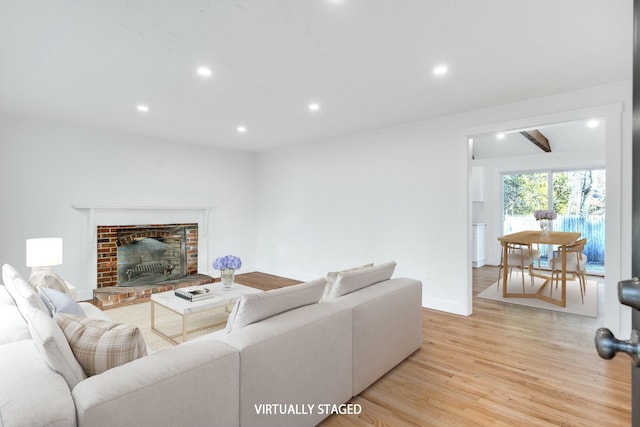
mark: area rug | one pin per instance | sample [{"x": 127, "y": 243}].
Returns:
[
  {"x": 168, "y": 322},
  {"x": 574, "y": 304}
]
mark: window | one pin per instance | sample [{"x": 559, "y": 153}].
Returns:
[{"x": 577, "y": 196}]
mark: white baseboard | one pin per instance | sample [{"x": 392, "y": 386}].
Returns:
[{"x": 448, "y": 306}]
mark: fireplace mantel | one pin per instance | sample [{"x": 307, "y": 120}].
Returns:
[
  {"x": 93, "y": 210},
  {"x": 122, "y": 214},
  {"x": 143, "y": 207}
]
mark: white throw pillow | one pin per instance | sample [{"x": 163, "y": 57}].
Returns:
[
  {"x": 332, "y": 276},
  {"x": 352, "y": 281},
  {"x": 255, "y": 307},
  {"x": 53, "y": 347},
  {"x": 100, "y": 345},
  {"x": 59, "y": 302}
]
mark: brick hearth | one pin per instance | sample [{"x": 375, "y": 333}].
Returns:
[{"x": 117, "y": 295}]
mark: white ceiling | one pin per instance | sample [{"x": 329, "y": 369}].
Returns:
[{"x": 368, "y": 63}]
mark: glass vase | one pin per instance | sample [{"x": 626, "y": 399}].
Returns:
[
  {"x": 545, "y": 225},
  {"x": 226, "y": 276}
]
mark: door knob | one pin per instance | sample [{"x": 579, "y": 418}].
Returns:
[
  {"x": 608, "y": 345},
  {"x": 629, "y": 292}
]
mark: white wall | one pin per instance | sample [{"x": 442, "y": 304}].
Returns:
[
  {"x": 401, "y": 193},
  {"x": 375, "y": 196},
  {"x": 45, "y": 168}
]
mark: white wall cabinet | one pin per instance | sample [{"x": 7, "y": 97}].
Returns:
[{"x": 479, "y": 257}]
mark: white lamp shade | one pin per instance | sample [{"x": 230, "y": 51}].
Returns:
[{"x": 45, "y": 252}]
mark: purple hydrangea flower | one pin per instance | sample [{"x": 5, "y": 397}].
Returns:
[
  {"x": 227, "y": 262},
  {"x": 542, "y": 214}
]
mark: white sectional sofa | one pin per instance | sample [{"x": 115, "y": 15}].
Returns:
[{"x": 284, "y": 360}]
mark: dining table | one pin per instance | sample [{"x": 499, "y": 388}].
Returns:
[{"x": 562, "y": 239}]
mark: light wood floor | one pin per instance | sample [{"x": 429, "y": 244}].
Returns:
[{"x": 505, "y": 365}]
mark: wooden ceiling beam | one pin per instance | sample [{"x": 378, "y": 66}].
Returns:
[{"x": 538, "y": 139}]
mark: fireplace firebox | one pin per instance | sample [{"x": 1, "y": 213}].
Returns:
[{"x": 134, "y": 255}]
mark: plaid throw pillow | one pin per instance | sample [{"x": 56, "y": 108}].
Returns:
[{"x": 100, "y": 345}]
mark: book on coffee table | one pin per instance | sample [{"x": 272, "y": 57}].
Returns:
[{"x": 197, "y": 294}]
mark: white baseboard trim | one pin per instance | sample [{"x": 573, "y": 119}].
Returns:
[{"x": 448, "y": 306}]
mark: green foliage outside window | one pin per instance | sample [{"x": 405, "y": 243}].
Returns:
[{"x": 574, "y": 193}]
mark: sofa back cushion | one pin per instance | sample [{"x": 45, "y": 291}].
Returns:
[
  {"x": 255, "y": 307},
  {"x": 332, "y": 276},
  {"x": 100, "y": 345},
  {"x": 13, "y": 327},
  {"x": 23, "y": 294},
  {"x": 351, "y": 281},
  {"x": 53, "y": 346}
]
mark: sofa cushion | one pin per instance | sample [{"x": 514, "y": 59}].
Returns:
[
  {"x": 353, "y": 280},
  {"x": 59, "y": 302},
  {"x": 255, "y": 307},
  {"x": 301, "y": 357},
  {"x": 23, "y": 294},
  {"x": 388, "y": 312},
  {"x": 332, "y": 276},
  {"x": 53, "y": 346},
  {"x": 13, "y": 327},
  {"x": 31, "y": 394},
  {"x": 99, "y": 345}
]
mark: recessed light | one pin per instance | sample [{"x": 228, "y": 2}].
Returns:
[
  {"x": 314, "y": 106},
  {"x": 500, "y": 135},
  {"x": 593, "y": 123},
  {"x": 241, "y": 129},
  {"x": 204, "y": 71},
  {"x": 142, "y": 108},
  {"x": 440, "y": 70}
]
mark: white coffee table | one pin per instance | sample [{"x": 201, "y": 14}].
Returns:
[{"x": 185, "y": 308}]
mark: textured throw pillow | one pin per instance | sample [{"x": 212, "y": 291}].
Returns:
[
  {"x": 332, "y": 276},
  {"x": 49, "y": 279},
  {"x": 58, "y": 302},
  {"x": 354, "y": 280},
  {"x": 100, "y": 345},
  {"x": 255, "y": 307}
]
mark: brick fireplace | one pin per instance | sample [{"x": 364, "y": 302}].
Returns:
[{"x": 134, "y": 261}]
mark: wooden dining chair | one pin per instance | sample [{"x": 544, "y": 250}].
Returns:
[
  {"x": 576, "y": 265},
  {"x": 520, "y": 256}
]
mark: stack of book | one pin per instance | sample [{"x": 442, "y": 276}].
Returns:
[{"x": 194, "y": 294}]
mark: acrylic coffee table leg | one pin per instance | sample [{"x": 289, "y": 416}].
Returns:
[
  {"x": 184, "y": 328},
  {"x": 153, "y": 315}
]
